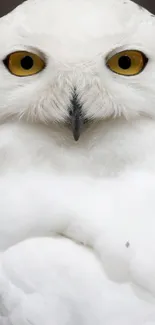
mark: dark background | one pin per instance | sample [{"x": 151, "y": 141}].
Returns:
[
  {"x": 148, "y": 4},
  {"x": 8, "y": 5}
]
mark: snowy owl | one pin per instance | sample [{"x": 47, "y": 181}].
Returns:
[{"x": 77, "y": 157}]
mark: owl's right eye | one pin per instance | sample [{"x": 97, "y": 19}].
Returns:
[
  {"x": 127, "y": 63},
  {"x": 24, "y": 64}
]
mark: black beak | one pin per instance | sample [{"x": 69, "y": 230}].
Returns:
[
  {"x": 76, "y": 124},
  {"x": 76, "y": 117}
]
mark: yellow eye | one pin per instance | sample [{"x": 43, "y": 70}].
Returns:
[
  {"x": 127, "y": 63},
  {"x": 23, "y": 64}
]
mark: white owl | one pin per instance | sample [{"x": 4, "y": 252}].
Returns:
[{"x": 77, "y": 164}]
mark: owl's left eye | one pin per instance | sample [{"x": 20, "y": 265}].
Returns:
[
  {"x": 127, "y": 63},
  {"x": 23, "y": 63}
]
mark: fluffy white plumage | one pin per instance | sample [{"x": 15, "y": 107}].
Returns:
[
  {"x": 64, "y": 284},
  {"x": 98, "y": 191}
]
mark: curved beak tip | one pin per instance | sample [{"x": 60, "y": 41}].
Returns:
[
  {"x": 76, "y": 135},
  {"x": 77, "y": 124}
]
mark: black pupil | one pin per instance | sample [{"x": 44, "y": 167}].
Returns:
[
  {"x": 124, "y": 62},
  {"x": 26, "y": 63}
]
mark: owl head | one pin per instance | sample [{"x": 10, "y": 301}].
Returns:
[{"x": 73, "y": 62}]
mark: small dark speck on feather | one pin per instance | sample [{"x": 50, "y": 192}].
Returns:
[{"x": 127, "y": 244}]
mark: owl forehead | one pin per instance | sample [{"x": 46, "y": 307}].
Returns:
[
  {"x": 77, "y": 18},
  {"x": 78, "y": 27}
]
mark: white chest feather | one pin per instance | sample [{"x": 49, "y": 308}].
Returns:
[{"x": 105, "y": 149}]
